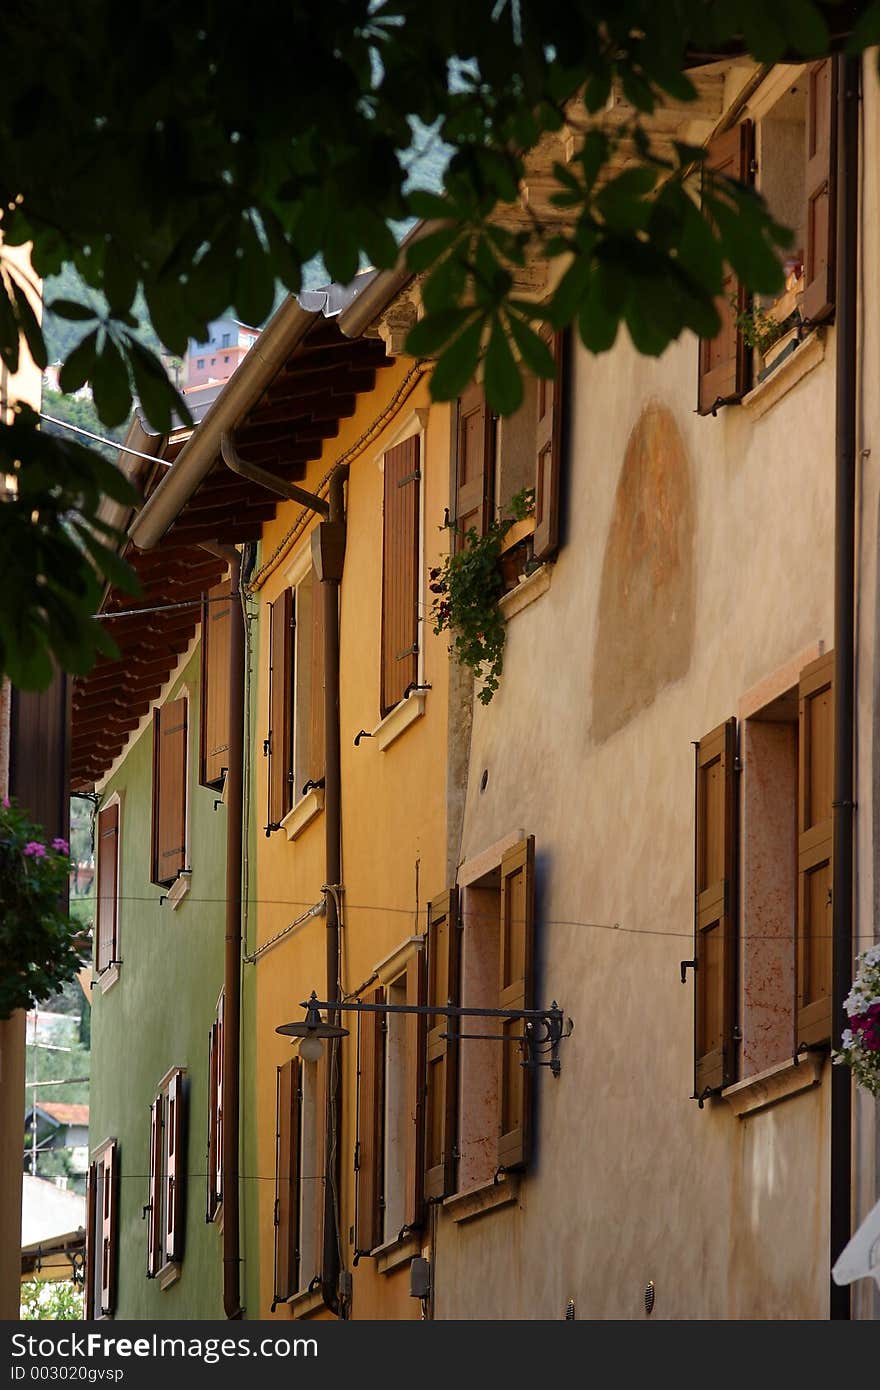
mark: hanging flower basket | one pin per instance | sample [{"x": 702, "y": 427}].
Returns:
[
  {"x": 860, "y": 1042},
  {"x": 40, "y": 943}
]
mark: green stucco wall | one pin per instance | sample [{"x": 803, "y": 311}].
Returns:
[{"x": 158, "y": 1015}]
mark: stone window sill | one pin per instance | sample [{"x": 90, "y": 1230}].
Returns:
[
  {"x": 405, "y": 712},
  {"x": 303, "y": 813},
  {"x": 395, "y": 1253},
  {"x": 309, "y": 1301},
  {"x": 526, "y": 591},
  {"x": 178, "y": 890},
  {"x": 476, "y": 1201},
  {"x": 168, "y": 1275},
  {"x": 107, "y": 978},
  {"x": 789, "y": 372},
  {"x": 777, "y": 1083}
]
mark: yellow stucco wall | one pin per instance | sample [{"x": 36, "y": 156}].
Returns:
[{"x": 393, "y": 807}]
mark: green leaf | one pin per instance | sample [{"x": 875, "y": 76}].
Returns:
[
  {"x": 532, "y": 348},
  {"x": 9, "y": 347},
  {"x": 502, "y": 380},
  {"x": 456, "y": 367},
  {"x": 428, "y": 206},
  {"x": 30, "y": 327},
  {"x": 120, "y": 276},
  {"x": 445, "y": 285},
  {"x": 110, "y": 565},
  {"x": 866, "y": 30},
  {"x": 110, "y": 385},
  {"x": 70, "y": 309},
  {"x": 425, "y": 250},
  {"x": 156, "y": 393},
  {"x": 434, "y": 331},
  {"x": 80, "y": 364}
]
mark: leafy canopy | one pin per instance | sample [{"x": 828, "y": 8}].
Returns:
[{"x": 185, "y": 159}]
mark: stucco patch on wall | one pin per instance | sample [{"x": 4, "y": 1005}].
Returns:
[{"x": 644, "y": 635}]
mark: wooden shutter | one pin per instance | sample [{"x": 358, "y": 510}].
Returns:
[
  {"x": 400, "y": 572},
  {"x": 815, "y": 795},
  {"x": 818, "y": 297},
  {"x": 476, "y": 464},
  {"x": 723, "y": 373},
  {"x": 154, "y": 1214},
  {"x": 316, "y": 686},
  {"x": 215, "y": 1115},
  {"x": 175, "y": 1169},
  {"x": 279, "y": 744},
  {"x": 91, "y": 1240},
  {"x": 109, "y": 1223},
  {"x": 219, "y": 1085},
  {"x": 214, "y": 689},
  {"x": 548, "y": 456},
  {"x": 416, "y": 1029},
  {"x": 441, "y": 1052},
  {"x": 516, "y": 991},
  {"x": 370, "y": 1132},
  {"x": 108, "y": 878},
  {"x": 169, "y": 790},
  {"x": 287, "y": 1126},
  {"x": 715, "y": 909},
  {"x": 322, "y": 1082}
]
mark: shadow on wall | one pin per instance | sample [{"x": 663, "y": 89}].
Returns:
[{"x": 645, "y": 631}]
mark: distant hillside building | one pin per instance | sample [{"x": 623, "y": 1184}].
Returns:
[{"x": 217, "y": 358}]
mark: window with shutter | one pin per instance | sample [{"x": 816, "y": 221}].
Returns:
[
  {"x": 167, "y": 1185},
  {"x": 415, "y": 1031},
  {"x": 548, "y": 461},
  {"x": 723, "y": 361},
  {"x": 108, "y": 881},
  {"x": 400, "y": 571},
  {"x": 311, "y": 697},
  {"x": 108, "y": 1175},
  {"x": 372, "y": 1031},
  {"x": 154, "y": 1205},
  {"x": 441, "y": 1051},
  {"x": 295, "y": 741},
  {"x": 169, "y": 791},
  {"x": 815, "y": 838},
  {"x": 715, "y": 910},
  {"x": 92, "y": 1220},
  {"x": 215, "y": 1115},
  {"x": 821, "y": 133},
  {"x": 516, "y": 985},
  {"x": 279, "y": 743},
  {"x": 287, "y": 1175},
  {"x": 475, "y": 464},
  {"x": 174, "y": 1170},
  {"x": 214, "y": 686}
]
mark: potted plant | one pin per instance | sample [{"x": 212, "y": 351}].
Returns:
[
  {"x": 860, "y": 1042},
  {"x": 40, "y": 943}
]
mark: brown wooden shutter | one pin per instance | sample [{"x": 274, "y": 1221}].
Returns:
[
  {"x": 723, "y": 373},
  {"x": 214, "y": 690},
  {"x": 287, "y": 1128},
  {"x": 169, "y": 790},
  {"x": 416, "y": 1030},
  {"x": 91, "y": 1240},
  {"x": 476, "y": 464},
  {"x": 322, "y": 1082},
  {"x": 548, "y": 456},
  {"x": 279, "y": 744},
  {"x": 815, "y": 840},
  {"x": 109, "y": 1225},
  {"x": 316, "y": 687},
  {"x": 108, "y": 878},
  {"x": 715, "y": 909},
  {"x": 370, "y": 1131},
  {"x": 175, "y": 1169},
  {"x": 400, "y": 572},
  {"x": 154, "y": 1214},
  {"x": 211, "y": 1183},
  {"x": 817, "y": 301},
  {"x": 219, "y": 1101},
  {"x": 441, "y": 1053},
  {"x": 516, "y": 990}
]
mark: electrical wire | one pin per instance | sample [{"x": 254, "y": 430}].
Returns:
[{"x": 99, "y": 439}]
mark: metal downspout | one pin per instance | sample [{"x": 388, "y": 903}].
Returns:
[{"x": 846, "y": 369}]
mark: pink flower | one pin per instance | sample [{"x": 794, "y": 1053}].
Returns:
[
  {"x": 36, "y": 849},
  {"x": 61, "y": 845},
  {"x": 6, "y": 803}
]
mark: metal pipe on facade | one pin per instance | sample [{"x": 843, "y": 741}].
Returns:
[
  {"x": 329, "y": 544},
  {"x": 229, "y": 1156},
  {"x": 848, "y": 73}
]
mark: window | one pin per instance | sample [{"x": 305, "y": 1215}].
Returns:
[
  {"x": 215, "y": 1115},
  {"x": 169, "y": 791},
  {"x": 102, "y": 1221},
  {"x": 295, "y": 742},
  {"x": 776, "y": 847},
  {"x": 214, "y": 687},
  {"x": 790, "y": 150},
  {"x": 390, "y": 1134},
  {"x": 225, "y": 341},
  {"x": 200, "y": 362},
  {"x": 164, "y": 1210},
  {"x": 226, "y": 359},
  {"x": 497, "y": 459},
  {"x": 107, "y": 933},
  {"x": 401, "y": 571},
  {"x": 480, "y": 955},
  {"x": 299, "y": 1176}
]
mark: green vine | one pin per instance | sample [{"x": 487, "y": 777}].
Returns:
[
  {"x": 40, "y": 943},
  {"x": 466, "y": 589},
  {"x": 759, "y": 329}
]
